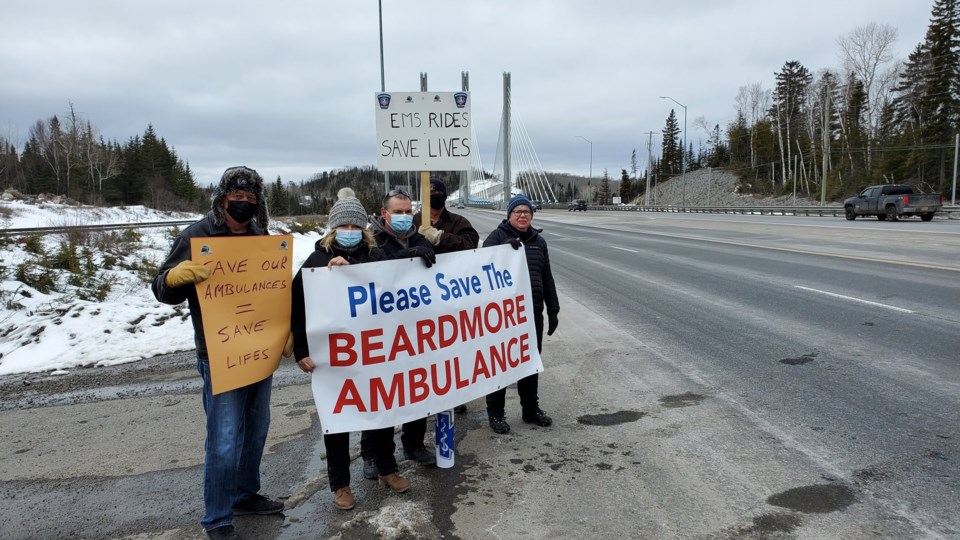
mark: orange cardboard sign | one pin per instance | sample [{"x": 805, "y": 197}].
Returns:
[{"x": 245, "y": 304}]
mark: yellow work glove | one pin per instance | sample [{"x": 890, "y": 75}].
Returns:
[
  {"x": 186, "y": 273},
  {"x": 288, "y": 346},
  {"x": 431, "y": 233}
]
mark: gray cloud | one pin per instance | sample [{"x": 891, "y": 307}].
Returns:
[{"x": 288, "y": 87}]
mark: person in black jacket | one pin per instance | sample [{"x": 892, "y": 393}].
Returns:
[
  {"x": 237, "y": 421},
  {"x": 348, "y": 242},
  {"x": 516, "y": 230},
  {"x": 399, "y": 239},
  {"x": 447, "y": 232}
]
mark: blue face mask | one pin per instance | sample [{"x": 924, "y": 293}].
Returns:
[
  {"x": 401, "y": 223},
  {"x": 348, "y": 238}
]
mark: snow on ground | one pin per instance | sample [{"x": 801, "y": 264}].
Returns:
[{"x": 58, "y": 331}]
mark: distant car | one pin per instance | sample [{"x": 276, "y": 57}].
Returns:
[
  {"x": 577, "y": 204},
  {"x": 459, "y": 205},
  {"x": 537, "y": 205}
]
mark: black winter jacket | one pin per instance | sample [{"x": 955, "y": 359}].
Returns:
[
  {"x": 318, "y": 259},
  {"x": 538, "y": 263},
  {"x": 458, "y": 233},
  {"x": 390, "y": 244},
  {"x": 180, "y": 252}
]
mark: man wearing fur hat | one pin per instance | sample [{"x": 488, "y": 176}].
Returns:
[{"x": 237, "y": 420}]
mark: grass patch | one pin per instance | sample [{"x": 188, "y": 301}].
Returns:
[{"x": 304, "y": 226}]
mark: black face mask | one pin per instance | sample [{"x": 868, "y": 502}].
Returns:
[
  {"x": 241, "y": 211},
  {"x": 437, "y": 200}
]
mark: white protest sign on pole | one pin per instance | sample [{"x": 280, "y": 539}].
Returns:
[
  {"x": 423, "y": 131},
  {"x": 394, "y": 341}
]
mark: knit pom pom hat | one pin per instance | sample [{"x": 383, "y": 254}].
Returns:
[{"x": 347, "y": 211}]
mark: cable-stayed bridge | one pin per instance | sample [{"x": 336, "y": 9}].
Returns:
[{"x": 516, "y": 167}]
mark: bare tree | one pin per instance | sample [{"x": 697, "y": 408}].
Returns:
[
  {"x": 752, "y": 103},
  {"x": 102, "y": 160},
  {"x": 864, "y": 51}
]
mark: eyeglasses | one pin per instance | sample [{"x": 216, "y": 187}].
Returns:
[
  {"x": 391, "y": 194},
  {"x": 521, "y": 213}
]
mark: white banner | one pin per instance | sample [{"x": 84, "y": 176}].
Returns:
[
  {"x": 394, "y": 341},
  {"x": 423, "y": 131}
]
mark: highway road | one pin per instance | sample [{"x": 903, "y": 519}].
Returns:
[
  {"x": 712, "y": 377},
  {"x": 835, "y": 342}
]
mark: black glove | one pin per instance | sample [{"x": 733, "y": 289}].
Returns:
[
  {"x": 515, "y": 242},
  {"x": 424, "y": 253},
  {"x": 552, "y": 326}
]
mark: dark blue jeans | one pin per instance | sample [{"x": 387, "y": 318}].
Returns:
[{"x": 237, "y": 425}]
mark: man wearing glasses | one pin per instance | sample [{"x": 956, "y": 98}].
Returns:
[
  {"x": 396, "y": 235},
  {"x": 237, "y": 420},
  {"x": 516, "y": 230}
]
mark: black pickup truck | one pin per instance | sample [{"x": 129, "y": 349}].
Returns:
[{"x": 892, "y": 201}]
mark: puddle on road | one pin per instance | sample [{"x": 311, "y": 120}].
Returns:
[
  {"x": 687, "y": 399},
  {"x": 815, "y": 499},
  {"x": 800, "y": 360},
  {"x": 610, "y": 419}
]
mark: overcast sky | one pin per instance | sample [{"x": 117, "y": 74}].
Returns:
[{"x": 288, "y": 87}]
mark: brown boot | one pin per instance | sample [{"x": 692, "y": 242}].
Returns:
[
  {"x": 395, "y": 482},
  {"x": 343, "y": 499}
]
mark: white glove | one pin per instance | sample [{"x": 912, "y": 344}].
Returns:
[{"x": 431, "y": 233}]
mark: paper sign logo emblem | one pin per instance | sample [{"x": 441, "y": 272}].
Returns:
[
  {"x": 283, "y": 245},
  {"x": 460, "y": 98},
  {"x": 409, "y": 99},
  {"x": 383, "y": 100},
  {"x": 205, "y": 250}
]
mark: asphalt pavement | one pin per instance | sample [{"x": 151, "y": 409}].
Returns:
[{"x": 712, "y": 377}]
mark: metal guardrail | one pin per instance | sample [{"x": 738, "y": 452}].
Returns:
[
  {"x": 92, "y": 228},
  {"x": 819, "y": 211}
]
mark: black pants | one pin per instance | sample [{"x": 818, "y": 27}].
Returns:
[
  {"x": 411, "y": 439},
  {"x": 526, "y": 387},
  {"x": 382, "y": 449}
]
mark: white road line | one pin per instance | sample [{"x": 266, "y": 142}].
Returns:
[
  {"x": 625, "y": 249},
  {"x": 852, "y": 299}
]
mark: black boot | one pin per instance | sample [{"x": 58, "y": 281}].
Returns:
[{"x": 537, "y": 417}]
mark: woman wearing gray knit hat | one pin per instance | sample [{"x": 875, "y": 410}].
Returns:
[{"x": 347, "y": 242}]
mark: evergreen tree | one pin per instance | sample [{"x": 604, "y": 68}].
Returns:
[
  {"x": 942, "y": 100},
  {"x": 604, "y": 195},
  {"x": 719, "y": 155},
  {"x": 626, "y": 186},
  {"x": 671, "y": 146},
  {"x": 277, "y": 199}
]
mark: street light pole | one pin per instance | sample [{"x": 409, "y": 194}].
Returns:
[
  {"x": 383, "y": 84},
  {"x": 591, "y": 153},
  {"x": 683, "y": 151}
]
